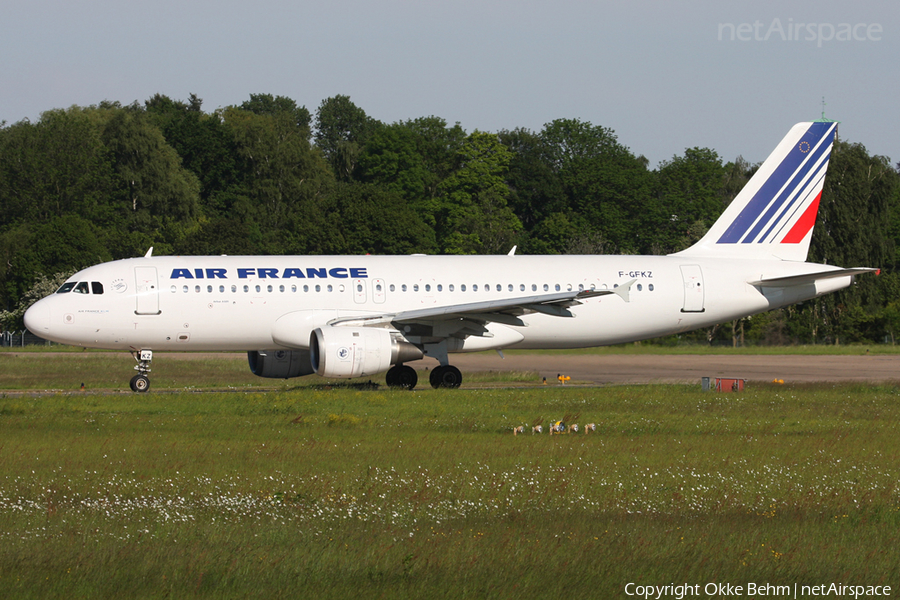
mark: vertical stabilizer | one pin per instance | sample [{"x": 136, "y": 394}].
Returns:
[{"x": 773, "y": 216}]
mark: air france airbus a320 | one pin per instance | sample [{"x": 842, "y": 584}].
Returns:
[{"x": 353, "y": 316}]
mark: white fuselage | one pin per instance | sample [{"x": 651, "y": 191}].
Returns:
[{"x": 274, "y": 302}]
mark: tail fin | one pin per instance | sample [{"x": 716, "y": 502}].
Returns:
[{"x": 773, "y": 216}]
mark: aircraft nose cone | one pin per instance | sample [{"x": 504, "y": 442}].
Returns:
[{"x": 37, "y": 318}]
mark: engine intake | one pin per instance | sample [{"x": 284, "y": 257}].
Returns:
[
  {"x": 357, "y": 351},
  {"x": 280, "y": 364}
]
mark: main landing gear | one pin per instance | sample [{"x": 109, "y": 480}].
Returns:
[
  {"x": 404, "y": 376},
  {"x": 445, "y": 376},
  {"x": 141, "y": 381}
]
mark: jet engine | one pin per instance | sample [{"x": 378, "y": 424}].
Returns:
[
  {"x": 357, "y": 351},
  {"x": 280, "y": 364}
]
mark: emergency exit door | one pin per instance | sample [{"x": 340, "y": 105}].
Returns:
[{"x": 693, "y": 288}]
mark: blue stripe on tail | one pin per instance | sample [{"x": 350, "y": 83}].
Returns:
[{"x": 787, "y": 185}]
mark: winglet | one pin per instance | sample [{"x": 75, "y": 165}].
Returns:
[{"x": 623, "y": 290}]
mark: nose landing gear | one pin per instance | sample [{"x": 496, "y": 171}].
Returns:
[{"x": 141, "y": 381}]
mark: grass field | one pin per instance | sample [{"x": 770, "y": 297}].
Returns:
[{"x": 344, "y": 492}]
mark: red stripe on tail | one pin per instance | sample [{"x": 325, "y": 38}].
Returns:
[{"x": 802, "y": 226}]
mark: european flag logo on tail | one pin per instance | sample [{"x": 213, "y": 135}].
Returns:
[{"x": 773, "y": 216}]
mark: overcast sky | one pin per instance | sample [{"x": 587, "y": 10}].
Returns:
[{"x": 731, "y": 76}]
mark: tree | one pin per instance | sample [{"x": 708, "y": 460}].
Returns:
[
  {"x": 414, "y": 158},
  {"x": 55, "y": 166},
  {"x": 342, "y": 129},
  {"x": 286, "y": 180},
  {"x": 206, "y": 147},
  {"x": 162, "y": 197},
  {"x": 473, "y": 215},
  {"x": 605, "y": 185},
  {"x": 853, "y": 228},
  {"x": 374, "y": 220},
  {"x": 690, "y": 191}
]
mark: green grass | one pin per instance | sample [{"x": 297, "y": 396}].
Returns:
[{"x": 341, "y": 492}]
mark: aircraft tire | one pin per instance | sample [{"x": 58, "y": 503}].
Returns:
[
  {"x": 406, "y": 377},
  {"x": 140, "y": 383},
  {"x": 446, "y": 376}
]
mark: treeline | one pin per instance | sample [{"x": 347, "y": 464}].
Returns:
[{"x": 90, "y": 184}]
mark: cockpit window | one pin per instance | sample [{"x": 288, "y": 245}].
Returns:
[
  {"x": 82, "y": 288},
  {"x": 66, "y": 287},
  {"x": 96, "y": 287}
]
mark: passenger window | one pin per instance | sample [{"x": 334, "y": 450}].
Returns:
[
  {"x": 403, "y": 288},
  {"x": 450, "y": 287},
  {"x": 462, "y": 288},
  {"x": 184, "y": 289},
  {"x": 197, "y": 289},
  {"x": 427, "y": 287},
  {"x": 533, "y": 287},
  {"x": 97, "y": 287},
  {"x": 440, "y": 288},
  {"x": 209, "y": 289},
  {"x": 650, "y": 287},
  {"x": 221, "y": 289},
  {"x": 415, "y": 287},
  {"x": 475, "y": 288},
  {"x": 66, "y": 287},
  {"x": 546, "y": 288},
  {"x": 82, "y": 288},
  {"x": 246, "y": 288}
]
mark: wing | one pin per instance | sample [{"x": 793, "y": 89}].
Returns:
[{"x": 506, "y": 311}]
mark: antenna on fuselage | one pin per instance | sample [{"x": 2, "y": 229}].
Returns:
[{"x": 149, "y": 253}]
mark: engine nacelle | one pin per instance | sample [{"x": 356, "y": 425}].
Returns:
[
  {"x": 357, "y": 351},
  {"x": 280, "y": 364}
]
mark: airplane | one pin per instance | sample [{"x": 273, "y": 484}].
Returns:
[{"x": 357, "y": 316}]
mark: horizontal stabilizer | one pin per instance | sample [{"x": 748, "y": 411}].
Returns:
[{"x": 807, "y": 278}]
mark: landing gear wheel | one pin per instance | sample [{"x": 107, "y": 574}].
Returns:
[
  {"x": 140, "y": 383},
  {"x": 446, "y": 376},
  {"x": 402, "y": 376}
]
